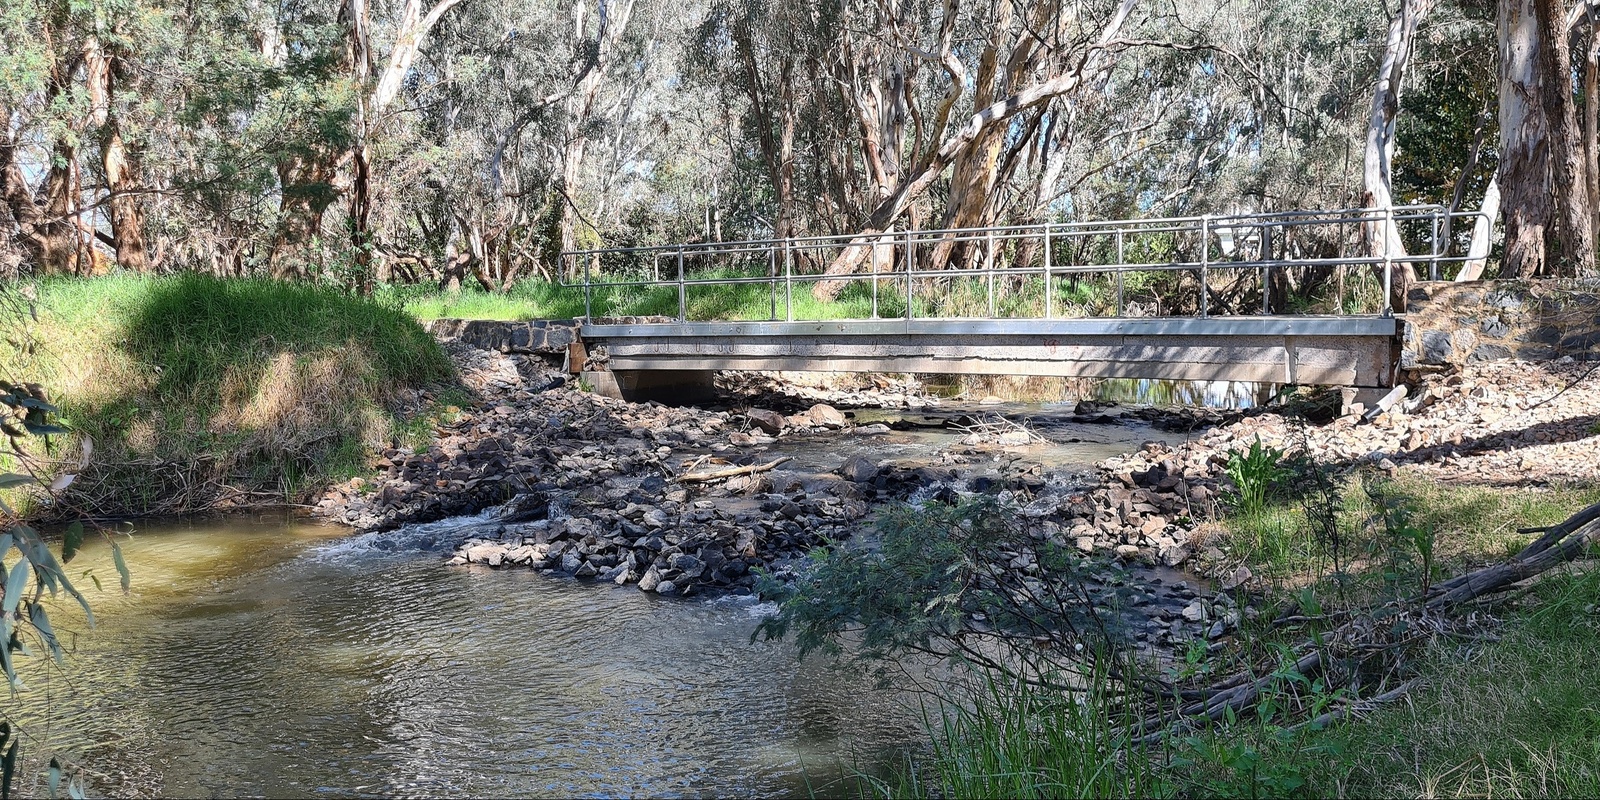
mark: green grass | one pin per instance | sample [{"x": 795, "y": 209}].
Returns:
[
  {"x": 763, "y": 300},
  {"x": 1513, "y": 717},
  {"x": 1517, "y": 717},
  {"x": 193, "y": 386},
  {"x": 1015, "y": 740},
  {"x": 1470, "y": 524}
]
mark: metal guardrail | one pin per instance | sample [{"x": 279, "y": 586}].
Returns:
[{"x": 1243, "y": 245}]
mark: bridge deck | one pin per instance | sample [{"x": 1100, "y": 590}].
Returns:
[{"x": 1338, "y": 351}]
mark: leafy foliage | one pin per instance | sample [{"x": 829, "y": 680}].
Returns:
[
  {"x": 946, "y": 580},
  {"x": 1254, "y": 473},
  {"x": 27, "y": 419}
]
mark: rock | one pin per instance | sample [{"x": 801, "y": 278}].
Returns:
[
  {"x": 650, "y": 580},
  {"x": 1042, "y": 507},
  {"x": 874, "y": 429},
  {"x": 770, "y": 421},
  {"x": 586, "y": 570},
  {"x": 826, "y": 416},
  {"x": 1196, "y": 611},
  {"x": 1126, "y": 551},
  {"x": 690, "y": 566},
  {"x": 1084, "y": 544},
  {"x": 1237, "y": 578},
  {"x": 666, "y": 587},
  {"x": 481, "y": 553},
  {"x": 1014, "y": 438},
  {"x": 1174, "y": 554},
  {"x": 990, "y": 400},
  {"x": 859, "y": 469},
  {"x": 656, "y": 518}
]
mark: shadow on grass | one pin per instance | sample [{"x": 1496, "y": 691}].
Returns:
[{"x": 203, "y": 389}]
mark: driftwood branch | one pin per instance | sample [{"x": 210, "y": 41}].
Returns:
[
  {"x": 719, "y": 474},
  {"x": 1559, "y": 544}
]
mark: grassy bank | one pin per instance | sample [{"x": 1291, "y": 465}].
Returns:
[
  {"x": 1514, "y": 716},
  {"x": 1501, "y": 702},
  {"x": 197, "y": 390}
]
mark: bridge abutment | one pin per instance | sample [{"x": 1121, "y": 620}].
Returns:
[{"x": 673, "y": 386}]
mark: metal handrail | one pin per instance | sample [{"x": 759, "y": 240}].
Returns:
[{"x": 900, "y": 250}]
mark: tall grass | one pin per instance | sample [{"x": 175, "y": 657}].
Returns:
[
  {"x": 1512, "y": 717},
  {"x": 1010, "y": 738},
  {"x": 194, "y": 387}
]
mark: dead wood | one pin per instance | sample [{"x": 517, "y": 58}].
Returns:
[
  {"x": 719, "y": 474},
  {"x": 1359, "y": 636}
]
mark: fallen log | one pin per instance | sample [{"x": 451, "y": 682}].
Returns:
[
  {"x": 1559, "y": 544},
  {"x": 719, "y": 474}
]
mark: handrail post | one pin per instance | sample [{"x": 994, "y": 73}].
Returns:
[
  {"x": 1388, "y": 262},
  {"x": 588, "y": 293},
  {"x": 1266, "y": 270},
  {"x": 910, "y": 260},
  {"x": 1205, "y": 263},
  {"x": 988, "y": 267},
  {"x": 875, "y": 282},
  {"x": 1048, "y": 256},
  {"x": 788, "y": 279},
  {"x": 1121, "y": 260},
  {"x": 1433, "y": 266},
  {"x": 683, "y": 298},
  {"x": 772, "y": 277}
]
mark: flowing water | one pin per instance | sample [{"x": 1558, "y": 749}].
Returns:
[
  {"x": 271, "y": 657},
  {"x": 274, "y": 658}
]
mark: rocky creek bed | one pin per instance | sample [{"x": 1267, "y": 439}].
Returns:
[{"x": 680, "y": 501}]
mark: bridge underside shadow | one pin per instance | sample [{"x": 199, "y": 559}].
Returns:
[{"x": 677, "y": 358}]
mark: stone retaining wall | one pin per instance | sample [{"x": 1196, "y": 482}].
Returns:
[{"x": 1450, "y": 325}]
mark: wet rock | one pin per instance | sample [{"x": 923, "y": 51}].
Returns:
[
  {"x": 650, "y": 580},
  {"x": 875, "y": 429},
  {"x": 770, "y": 421},
  {"x": 688, "y": 565},
  {"x": 1042, "y": 507},
  {"x": 859, "y": 469},
  {"x": 666, "y": 587}
]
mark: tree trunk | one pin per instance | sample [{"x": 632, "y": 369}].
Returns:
[
  {"x": 1591, "y": 121},
  {"x": 987, "y": 118},
  {"x": 1482, "y": 231},
  {"x": 1377, "y": 173},
  {"x": 1524, "y": 178},
  {"x": 612, "y": 22},
  {"x": 101, "y": 71},
  {"x": 1575, "y": 253},
  {"x": 46, "y": 236}
]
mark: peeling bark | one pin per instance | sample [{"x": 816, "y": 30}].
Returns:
[
  {"x": 1524, "y": 142},
  {"x": 1377, "y": 173}
]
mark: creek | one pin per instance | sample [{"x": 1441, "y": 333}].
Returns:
[{"x": 262, "y": 655}]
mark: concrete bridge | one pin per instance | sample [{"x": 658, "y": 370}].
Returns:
[
  {"x": 991, "y": 301},
  {"x": 638, "y": 358}
]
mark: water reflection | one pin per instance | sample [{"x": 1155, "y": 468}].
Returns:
[
  {"x": 246, "y": 661},
  {"x": 1205, "y": 394}
]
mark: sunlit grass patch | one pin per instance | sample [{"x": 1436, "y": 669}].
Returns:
[{"x": 195, "y": 388}]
